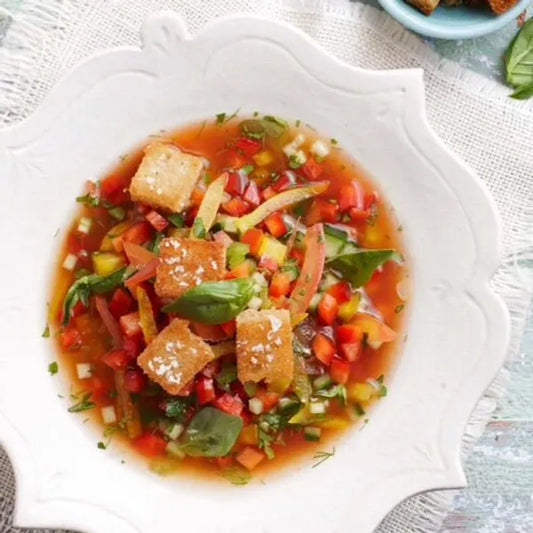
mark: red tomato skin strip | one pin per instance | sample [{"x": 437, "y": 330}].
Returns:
[
  {"x": 109, "y": 321},
  {"x": 312, "y": 269}
]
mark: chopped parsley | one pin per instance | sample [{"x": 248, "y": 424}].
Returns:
[
  {"x": 101, "y": 445},
  {"x": 320, "y": 457},
  {"x": 177, "y": 408},
  {"x": 46, "y": 332},
  {"x": 222, "y": 118},
  {"x": 333, "y": 141},
  {"x": 53, "y": 368}
]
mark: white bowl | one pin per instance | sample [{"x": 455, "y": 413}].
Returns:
[{"x": 457, "y": 328}]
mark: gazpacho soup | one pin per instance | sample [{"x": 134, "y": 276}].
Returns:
[{"x": 229, "y": 297}]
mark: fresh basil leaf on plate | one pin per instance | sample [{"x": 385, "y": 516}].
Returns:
[
  {"x": 211, "y": 433},
  {"x": 213, "y": 302},
  {"x": 523, "y": 92},
  {"x": 358, "y": 267},
  {"x": 519, "y": 61}
]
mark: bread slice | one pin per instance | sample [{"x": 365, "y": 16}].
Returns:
[
  {"x": 426, "y": 6},
  {"x": 185, "y": 263},
  {"x": 175, "y": 356},
  {"x": 264, "y": 346},
  {"x": 166, "y": 177}
]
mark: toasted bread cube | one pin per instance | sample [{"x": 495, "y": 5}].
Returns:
[
  {"x": 175, "y": 356},
  {"x": 426, "y": 6},
  {"x": 185, "y": 263},
  {"x": 264, "y": 346},
  {"x": 166, "y": 177}
]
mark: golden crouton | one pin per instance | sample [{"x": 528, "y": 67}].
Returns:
[
  {"x": 426, "y": 6},
  {"x": 175, "y": 356},
  {"x": 185, "y": 263},
  {"x": 166, "y": 177},
  {"x": 264, "y": 347}
]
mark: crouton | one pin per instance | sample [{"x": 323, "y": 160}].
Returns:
[
  {"x": 185, "y": 263},
  {"x": 264, "y": 347},
  {"x": 501, "y": 6},
  {"x": 166, "y": 177},
  {"x": 426, "y": 6},
  {"x": 175, "y": 356}
]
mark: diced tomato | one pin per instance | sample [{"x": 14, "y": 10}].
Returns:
[
  {"x": 132, "y": 346},
  {"x": 98, "y": 388},
  {"x": 208, "y": 332},
  {"x": 323, "y": 348},
  {"x": 267, "y": 193},
  {"x": 240, "y": 271},
  {"x": 351, "y": 351},
  {"x": 150, "y": 445},
  {"x": 280, "y": 285},
  {"x": 312, "y": 169},
  {"x": 254, "y": 239},
  {"x": 370, "y": 200},
  {"x": 251, "y": 194},
  {"x": 147, "y": 272},
  {"x": 250, "y": 457},
  {"x": 327, "y": 309},
  {"x": 130, "y": 324},
  {"x": 114, "y": 188},
  {"x": 139, "y": 233},
  {"x": 229, "y": 328},
  {"x": 322, "y": 210},
  {"x": 268, "y": 399},
  {"x": 248, "y": 146},
  {"x": 285, "y": 181},
  {"x": 116, "y": 359},
  {"x": 298, "y": 254},
  {"x": 268, "y": 263},
  {"x": 348, "y": 333},
  {"x": 74, "y": 245},
  {"x": 234, "y": 160},
  {"x": 158, "y": 222},
  {"x": 236, "y": 207},
  {"x": 341, "y": 292},
  {"x": 77, "y": 310},
  {"x": 137, "y": 255},
  {"x": 190, "y": 215},
  {"x": 211, "y": 369},
  {"x": 205, "y": 390},
  {"x": 70, "y": 338},
  {"x": 276, "y": 225},
  {"x": 350, "y": 195},
  {"x": 339, "y": 371},
  {"x": 229, "y": 404},
  {"x": 358, "y": 214},
  {"x": 121, "y": 303},
  {"x": 236, "y": 183},
  {"x": 246, "y": 416},
  {"x": 134, "y": 380}
]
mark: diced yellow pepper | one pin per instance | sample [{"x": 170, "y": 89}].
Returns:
[
  {"x": 297, "y": 318},
  {"x": 223, "y": 348},
  {"x": 360, "y": 392},
  {"x": 261, "y": 176},
  {"x": 107, "y": 242},
  {"x": 279, "y": 386},
  {"x": 146, "y": 316},
  {"x": 105, "y": 263},
  {"x": 263, "y": 158},
  {"x": 348, "y": 309},
  {"x": 303, "y": 416},
  {"x": 211, "y": 202},
  {"x": 249, "y": 435},
  {"x": 178, "y": 232},
  {"x": 334, "y": 422},
  {"x": 271, "y": 247}
]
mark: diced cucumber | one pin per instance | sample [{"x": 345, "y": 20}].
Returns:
[
  {"x": 317, "y": 408},
  {"x": 287, "y": 405},
  {"x": 255, "y": 405},
  {"x": 321, "y": 382},
  {"x": 312, "y": 433},
  {"x": 337, "y": 241},
  {"x": 315, "y": 300},
  {"x": 328, "y": 280}
]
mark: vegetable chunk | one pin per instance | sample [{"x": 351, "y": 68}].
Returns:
[
  {"x": 175, "y": 356},
  {"x": 185, "y": 263},
  {"x": 166, "y": 177}
]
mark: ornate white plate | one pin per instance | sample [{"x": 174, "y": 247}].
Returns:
[{"x": 457, "y": 328}]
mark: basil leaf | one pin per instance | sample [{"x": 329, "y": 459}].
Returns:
[
  {"x": 523, "y": 92},
  {"x": 358, "y": 267},
  {"x": 81, "y": 290},
  {"x": 519, "y": 57},
  {"x": 211, "y": 433},
  {"x": 213, "y": 302}
]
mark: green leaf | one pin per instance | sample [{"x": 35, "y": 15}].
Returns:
[
  {"x": 177, "y": 408},
  {"x": 53, "y": 368},
  {"x": 177, "y": 220},
  {"x": 211, "y": 433},
  {"x": 519, "y": 57},
  {"x": 154, "y": 247},
  {"x": 523, "y": 92},
  {"x": 226, "y": 376},
  {"x": 358, "y": 267},
  {"x": 84, "y": 404},
  {"x": 337, "y": 391},
  {"x": 213, "y": 302}
]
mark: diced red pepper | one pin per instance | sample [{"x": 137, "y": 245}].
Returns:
[
  {"x": 134, "y": 381},
  {"x": 70, "y": 338},
  {"x": 190, "y": 215},
  {"x": 327, "y": 309},
  {"x": 276, "y": 225},
  {"x": 139, "y": 233},
  {"x": 98, "y": 388},
  {"x": 267, "y": 193},
  {"x": 205, "y": 390},
  {"x": 370, "y": 199},
  {"x": 229, "y": 328},
  {"x": 147, "y": 272},
  {"x": 116, "y": 359},
  {"x": 121, "y": 303},
  {"x": 229, "y": 404},
  {"x": 297, "y": 254},
  {"x": 350, "y": 195},
  {"x": 351, "y": 351},
  {"x": 236, "y": 183},
  {"x": 248, "y": 146},
  {"x": 252, "y": 195},
  {"x": 250, "y": 457},
  {"x": 150, "y": 445},
  {"x": 236, "y": 207},
  {"x": 285, "y": 181},
  {"x": 130, "y": 324},
  {"x": 348, "y": 333},
  {"x": 268, "y": 399},
  {"x": 197, "y": 195},
  {"x": 339, "y": 371},
  {"x": 137, "y": 255},
  {"x": 312, "y": 169},
  {"x": 358, "y": 214},
  {"x": 158, "y": 222},
  {"x": 254, "y": 239},
  {"x": 322, "y": 210},
  {"x": 280, "y": 285},
  {"x": 132, "y": 346},
  {"x": 268, "y": 263},
  {"x": 341, "y": 292},
  {"x": 323, "y": 348}
]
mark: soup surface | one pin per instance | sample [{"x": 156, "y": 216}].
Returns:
[{"x": 229, "y": 297}]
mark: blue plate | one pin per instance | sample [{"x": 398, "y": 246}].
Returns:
[{"x": 451, "y": 22}]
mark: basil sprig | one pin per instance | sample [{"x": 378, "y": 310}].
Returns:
[
  {"x": 213, "y": 302},
  {"x": 358, "y": 267},
  {"x": 81, "y": 290},
  {"x": 519, "y": 62}
]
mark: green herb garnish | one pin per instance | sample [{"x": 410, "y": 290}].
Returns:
[
  {"x": 53, "y": 368},
  {"x": 177, "y": 220},
  {"x": 294, "y": 162},
  {"x": 198, "y": 228},
  {"x": 320, "y": 457},
  {"x": 84, "y": 404},
  {"x": 46, "y": 332},
  {"x": 177, "y": 408},
  {"x": 226, "y": 376},
  {"x": 519, "y": 62}
]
